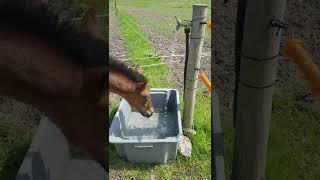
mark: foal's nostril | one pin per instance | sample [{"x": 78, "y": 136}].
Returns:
[{"x": 148, "y": 114}]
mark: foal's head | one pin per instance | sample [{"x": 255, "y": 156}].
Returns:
[{"x": 140, "y": 99}]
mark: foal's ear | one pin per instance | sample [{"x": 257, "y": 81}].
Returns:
[
  {"x": 140, "y": 86},
  {"x": 89, "y": 24},
  {"x": 138, "y": 69}
]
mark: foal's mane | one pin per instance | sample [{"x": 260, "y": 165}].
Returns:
[
  {"x": 16, "y": 16},
  {"x": 126, "y": 70}
]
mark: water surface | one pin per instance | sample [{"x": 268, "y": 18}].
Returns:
[{"x": 161, "y": 124}]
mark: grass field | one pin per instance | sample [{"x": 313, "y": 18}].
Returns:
[{"x": 198, "y": 166}]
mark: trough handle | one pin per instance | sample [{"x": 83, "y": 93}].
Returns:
[{"x": 143, "y": 146}]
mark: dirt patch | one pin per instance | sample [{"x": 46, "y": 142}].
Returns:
[
  {"x": 116, "y": 44},
  {"x": 18, "y": 114}
]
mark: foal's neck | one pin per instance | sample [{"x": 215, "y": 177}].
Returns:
[{"x": 120, "y": 84}]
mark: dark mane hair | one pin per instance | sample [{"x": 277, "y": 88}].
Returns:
[
  {"x": 127, "y": 71},
  {"x": 17, "y": 15}
]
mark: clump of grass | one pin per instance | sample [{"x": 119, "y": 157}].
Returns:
[{"x": 13, "y": 147}]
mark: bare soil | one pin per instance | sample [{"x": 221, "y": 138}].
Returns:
[{"x": 18, "y": 114}]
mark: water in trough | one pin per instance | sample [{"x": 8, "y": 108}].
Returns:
[{"x": 160, "y": 125}]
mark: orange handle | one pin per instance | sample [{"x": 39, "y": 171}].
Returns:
[
  {"x": 205, "y": 80},
  {"x": 293, "y": 48}
]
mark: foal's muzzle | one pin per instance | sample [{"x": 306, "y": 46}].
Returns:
[
  {"x": 145, "y": 114},
  {"x": 149, "y": 114}
]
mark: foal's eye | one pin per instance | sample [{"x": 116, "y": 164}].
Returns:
[{"x": 146, "y": 98}]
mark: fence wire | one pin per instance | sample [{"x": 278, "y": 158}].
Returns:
[
  {"x": 155, "y": 57},
  {"x": 206, "y": 54}
]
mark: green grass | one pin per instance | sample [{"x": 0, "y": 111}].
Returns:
[
  {"x": 294, "y": 142},
  {"x": 198, "y": 166},
  {"x": 14, "y": 142}
]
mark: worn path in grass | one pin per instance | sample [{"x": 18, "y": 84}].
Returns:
[{"x": 198, "y": 167}]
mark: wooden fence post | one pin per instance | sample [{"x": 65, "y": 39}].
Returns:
[
  {"x": 199, "y": 18},
  {"x": 258, "y": 70}
]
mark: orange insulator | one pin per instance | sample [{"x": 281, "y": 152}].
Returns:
[
  {"x": 205, "y": 80},
  {"x": 293, "y": 49},
  {"x": 209, "y": 24}
]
